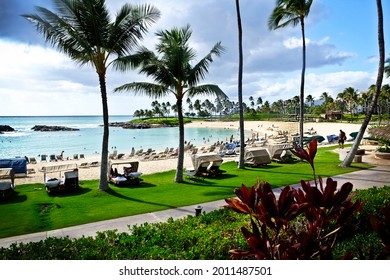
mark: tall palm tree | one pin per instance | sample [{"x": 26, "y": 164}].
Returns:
[
  {"x": 381, "y": 68},
  {"x": 387, "y": 67},
  {"x": 172, "y": 72},
  {"x": 83, "y": 30},
  {"x": 241, "y": 161},
  {"x": 350, "y": 97},
  {"x": 293, "y": 12}
]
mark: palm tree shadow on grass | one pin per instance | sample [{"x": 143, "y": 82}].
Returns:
[{"x": 116, "y": 194}]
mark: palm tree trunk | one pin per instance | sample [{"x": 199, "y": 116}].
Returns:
[
  {"x": 302, "y": 90},
  {"x": 381, "y": 42},
  {"x": 180, "y": 159},
  {"x": 240, "y": 70},
  {"x": 103, "y": 183}
]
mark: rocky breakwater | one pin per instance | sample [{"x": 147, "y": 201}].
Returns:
[
  {"x": 131, "y": 125},
  {"x": 53, "y": 128},
  {"x": 6, "y": 128}
]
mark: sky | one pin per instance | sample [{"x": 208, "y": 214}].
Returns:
[{"x": 341, "y": 39}]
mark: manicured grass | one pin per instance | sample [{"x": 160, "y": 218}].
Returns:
[{"x": 33, "y": 210}]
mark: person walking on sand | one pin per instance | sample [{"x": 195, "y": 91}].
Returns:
[{"x": 342, "y": 139}]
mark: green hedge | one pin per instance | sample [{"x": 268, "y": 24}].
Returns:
[{"x": 208, "y": 236}]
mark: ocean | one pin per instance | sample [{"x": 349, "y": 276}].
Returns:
[{"x": 88, "y": 139}]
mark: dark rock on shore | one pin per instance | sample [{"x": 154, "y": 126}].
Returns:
[
  {"x": 132, "y": 125},
  {"x": 53, "y": 128},
  {"x": 6, "y": 128}
]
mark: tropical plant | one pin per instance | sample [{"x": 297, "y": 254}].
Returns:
[
  {"x": 172, "y": 72},
  {"x": 381, "y": 68},
  {"x": 83, "y": 30},
  {"x": 293, "y": 12},
  {"x": 350, "y": 97},
  {"x": 301, "y": 224}
]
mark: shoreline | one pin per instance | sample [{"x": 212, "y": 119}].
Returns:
[{"x": 253, "y": 129}]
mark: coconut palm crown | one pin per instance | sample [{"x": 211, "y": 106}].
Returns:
[
  {"x": 293, "y": 12},
  {"x": 83, "y": 30},
  {"x": 173, "y": 74}
]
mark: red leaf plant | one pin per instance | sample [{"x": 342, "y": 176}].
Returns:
[{"x": 301, "y": 224}]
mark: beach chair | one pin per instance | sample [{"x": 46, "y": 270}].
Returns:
[
  {"x": 32, "y": 160},
  {"x": 53, "y": 158},
  {"x": 43, "y": 157},
  {"x": 76, "y": 156},
  {"x": 84, "y": 165}
]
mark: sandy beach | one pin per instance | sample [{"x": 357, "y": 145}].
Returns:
[{"x": 260, "y": 129}]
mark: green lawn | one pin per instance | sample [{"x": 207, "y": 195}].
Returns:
[{"x": 33, "y": 210}]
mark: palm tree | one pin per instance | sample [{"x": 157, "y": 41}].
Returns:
[
  {"x": 381, "y": 68},
  {"x": 387, "y": 67},
  {"x": 241, "y": 160},
  {"x": 350, "y": 97},
  {"x": 310, "y": 100},
  {"x": 293, "y": 12},
  {"x": 83, "y": 30},
  {"x": 172, "y": 72}
]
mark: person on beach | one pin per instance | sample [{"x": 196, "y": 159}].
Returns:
[{"x": 342, "y": 138}]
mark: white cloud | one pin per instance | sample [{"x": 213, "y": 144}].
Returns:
[{"x": 39, "y": 80}]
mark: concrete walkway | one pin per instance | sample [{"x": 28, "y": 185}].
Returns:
[{"x": 377, "y": 176}]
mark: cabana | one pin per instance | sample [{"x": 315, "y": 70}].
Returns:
[
  {"x": 19, "y": 165},
  {"x": 256, "y": 156},
  {"x": 67, "y": 178},
  {"x": 207, "y": 164},
  {"x": 7, "y": 183},
  {"x": 130, "y": 175}
]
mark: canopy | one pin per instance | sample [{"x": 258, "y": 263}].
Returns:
[
  {"x": 59, "y": 168},
  {"x": 19, "y": 165},
  {"x": 256, "y": 156},
  {"x": 198, "y": 159}
]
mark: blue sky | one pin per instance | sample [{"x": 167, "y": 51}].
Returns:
[{"x": 341, "y": 39}]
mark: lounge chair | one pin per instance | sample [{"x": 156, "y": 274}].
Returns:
[
  {"x": 84, "y": 165},
  {"x": 76, "y": 156},
  {"x": 43, "y": 157},
  {"x": 32, "y": 160},
  {"x": 53, "y": 158},
  {"x": 130, "y": 175}
]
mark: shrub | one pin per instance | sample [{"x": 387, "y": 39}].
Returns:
[
  {"x": 208, "y": 236},
  {"x": 274, "y": 235}
]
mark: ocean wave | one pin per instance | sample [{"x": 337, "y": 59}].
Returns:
[{"x": 14, "y": 134}]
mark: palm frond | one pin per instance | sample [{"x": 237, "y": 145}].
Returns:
[
  {"x": 145, "y": 88},
  {"x": 206, "y": 89},
  {"x": 288, "y": 12},
  {"x": 132, "y": 22},
  {"x": 200, "y": 70},
  {"x": 133, "y": 61}
]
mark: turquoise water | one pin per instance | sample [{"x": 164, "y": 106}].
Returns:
[{"x": 87, "y": 140}]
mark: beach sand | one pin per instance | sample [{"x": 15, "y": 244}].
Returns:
[{"x": 256, "y": 128}]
